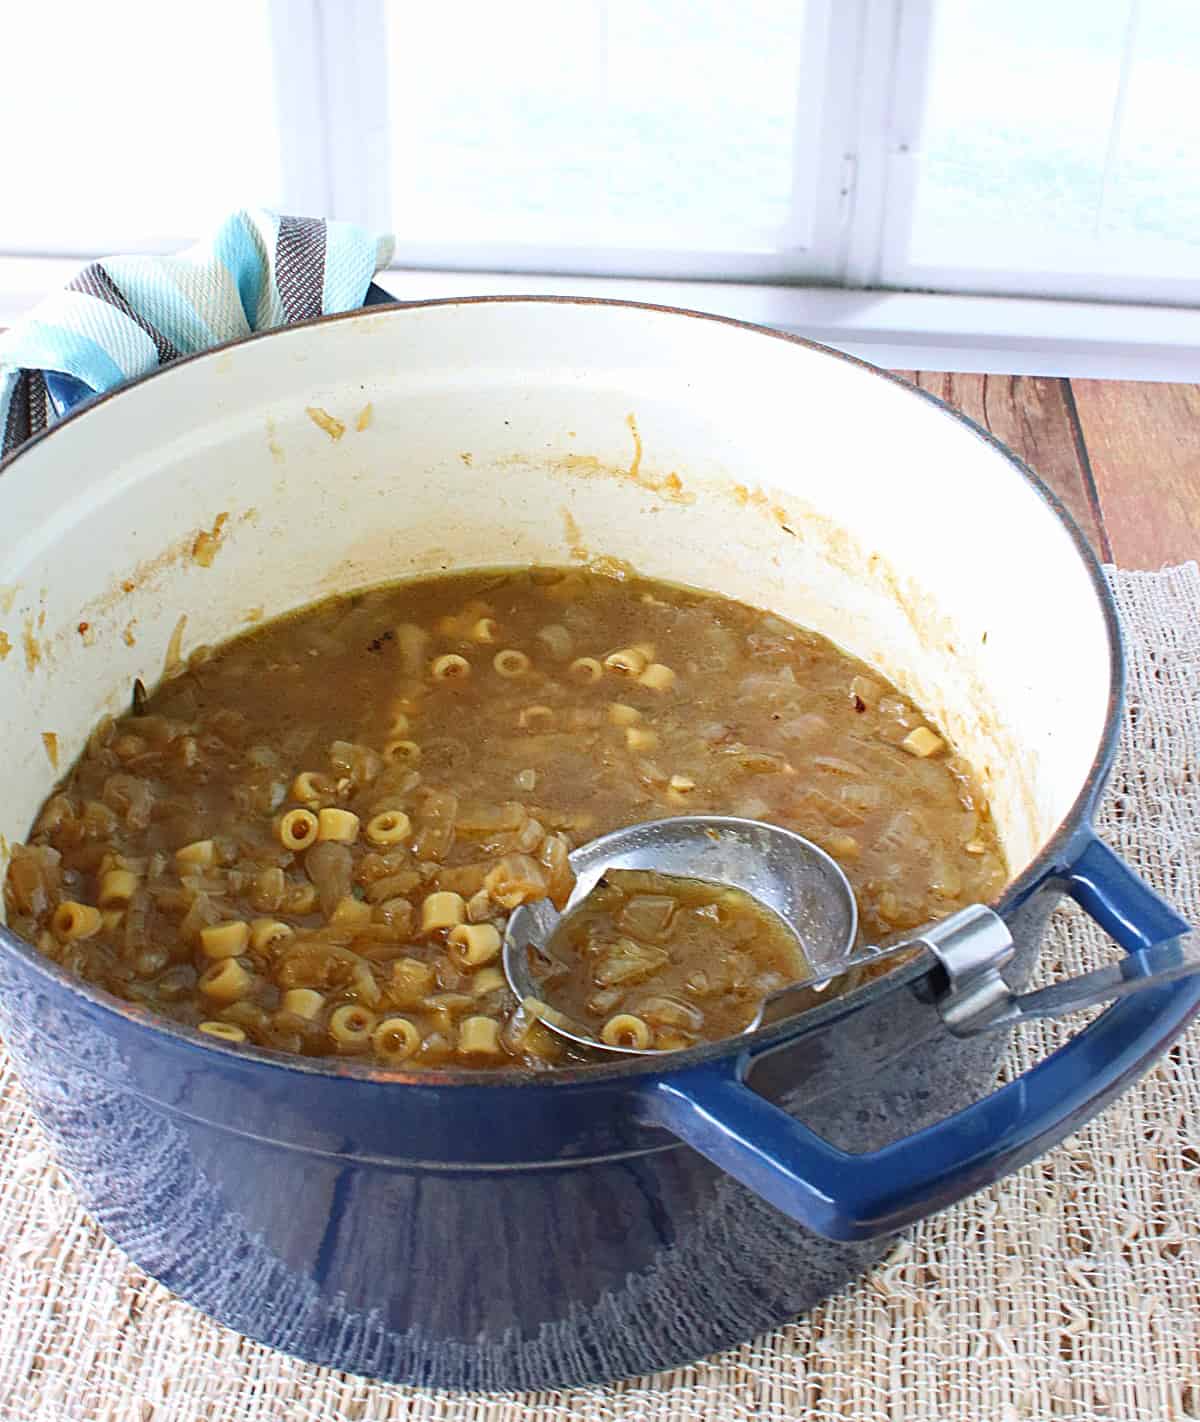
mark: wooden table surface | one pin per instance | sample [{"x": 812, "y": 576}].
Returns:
[{"x": 1122, "y": 455}]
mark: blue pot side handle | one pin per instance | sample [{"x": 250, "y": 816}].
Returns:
[
  {"x": 65, "y": 392},
  {"x": 848, "y": 1197}
]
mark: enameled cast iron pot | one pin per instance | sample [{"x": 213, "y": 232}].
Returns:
[{"x": 500, "y": 1231}]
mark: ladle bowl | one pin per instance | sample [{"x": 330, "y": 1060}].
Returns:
[{"x": 780, "y": 869}]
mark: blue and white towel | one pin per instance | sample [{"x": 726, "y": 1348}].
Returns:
[{"x": 125, "y": 316}]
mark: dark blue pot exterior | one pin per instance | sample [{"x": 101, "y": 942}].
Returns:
[{"x": 464, "y": 1237}]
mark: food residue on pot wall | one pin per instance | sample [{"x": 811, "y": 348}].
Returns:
[
  {"x": 208, "y": 541},
  {"x": 574, "y": 536},
  {"x": 667, "y": 486},
  {"x": 50, "y": 741},
  {"x": 174, "y": 654},
  {"x": 198, "y": 548},
  {"x": 33, "y": 649},
  {"x": 323, "y": 420},
  {"x": 746, "y": 496},
  {"x": 273, "y": 444},
  {"x": 5, "y": 645},
  {"x": 631, "y": 421}
]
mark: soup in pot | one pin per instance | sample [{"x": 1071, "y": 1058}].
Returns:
[{"x": 310, "y": 838}]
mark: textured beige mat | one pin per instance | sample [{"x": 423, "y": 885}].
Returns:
[{"x": 1071, "y": 1290}]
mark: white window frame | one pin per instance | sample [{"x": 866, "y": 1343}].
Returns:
[
  {"x": 328, "y": 168},
  {"x": 886, "y": 263},
  {"x": 865, "y": 86}
]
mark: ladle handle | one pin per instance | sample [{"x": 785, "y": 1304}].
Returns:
[
  {"x": 797, "y": 997},
  {"x": 1139, "y": 972},
  {"x": 845, "y": 1196}
]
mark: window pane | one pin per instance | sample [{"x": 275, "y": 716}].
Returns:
[
  {"x": 1062, "y": 135},
  {"x": 113, "y": 149},
  {"x": 642, "y": 123}
]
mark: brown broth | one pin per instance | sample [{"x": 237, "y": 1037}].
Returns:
[
  {"x": 452, "y": 739},
  {"x": 659, "y": 963}
]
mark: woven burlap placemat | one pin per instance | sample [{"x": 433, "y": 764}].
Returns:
[{"x": 1070, "y": 1290}]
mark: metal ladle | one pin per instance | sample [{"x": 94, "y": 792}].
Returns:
[
  {"x": 806, "y": 888},
  {"x": 781, "y": 870}
]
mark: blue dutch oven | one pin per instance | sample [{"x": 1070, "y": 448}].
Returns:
[{"x": 532, "y": 1231}]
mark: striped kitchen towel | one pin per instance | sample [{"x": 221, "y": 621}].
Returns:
[{"x": 126, "y": 316}]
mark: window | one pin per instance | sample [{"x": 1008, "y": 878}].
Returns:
[
  {"x": 785, "y": 153},
  {"x": 106, "y": 148},
  {"x": 666, "y": 137},
  {"x": 1058, "y": 151}
]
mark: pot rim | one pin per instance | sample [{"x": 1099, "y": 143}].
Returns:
[{"x": 636, "y": 1069}]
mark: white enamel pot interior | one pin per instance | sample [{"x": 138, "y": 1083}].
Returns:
[{"x": 394, "y": 442}]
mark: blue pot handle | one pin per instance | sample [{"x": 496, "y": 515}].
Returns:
[{"x": 844, "y": 1196}]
